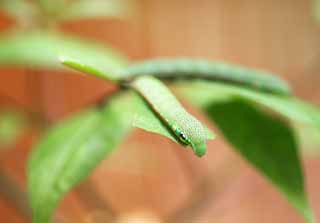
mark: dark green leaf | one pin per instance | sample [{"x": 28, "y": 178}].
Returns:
[
  {"x": 268, "y": 143},
  {"x": 264, "y": 140},
  {"x": 70, "y": 152}
]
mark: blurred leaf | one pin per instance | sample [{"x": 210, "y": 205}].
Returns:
[
  {"x": 91, "y": 64},
  {"x": 71, "y": 151},
  {"x": 83, "y": 9},
  {"x": 12, "y": 124},
  {"x": 22, "y": 10},
  {"x": 203, "y": 93},
  {"x": 309, "y": 139},
  {"x": 52, "y": 8},
  {"x": 268, "y": 143},
  {"x": 316, "y": 10},
  {"x": 42, "y": 50}
]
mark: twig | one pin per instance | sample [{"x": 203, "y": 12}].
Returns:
[{"x": 10, "y": 191}]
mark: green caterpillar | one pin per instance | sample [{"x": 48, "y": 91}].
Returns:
[
  {"x": 203, "y": 69},
  {"x": 184, "y": 126}
]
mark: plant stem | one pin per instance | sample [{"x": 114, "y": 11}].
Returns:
[{"x": 11, "y": 192}]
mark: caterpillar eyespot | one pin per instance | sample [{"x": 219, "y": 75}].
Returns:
[
  {"x": 187, "y": 129},
  {"x": 181, "y": 136}
]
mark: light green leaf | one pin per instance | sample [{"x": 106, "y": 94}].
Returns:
[
  {"x": 316, "y": 10},
  {"x": 168, "y": 118},
  {"x": 185, "y": 127},
  {"x": 12, "y": 124},
  {"x": 43, "y": 50},
  {"x": 309, "y": 139},
  {"x": 144, "y": 118},
  {"x": 70, "y": 152},
  {"x": 85, "y": 68},
  {"x": 266, "y": 142},
  {"x": 83, "y": 9},
  {"x": 24, "y": 11},
  {"x": 263, "y": 139}
]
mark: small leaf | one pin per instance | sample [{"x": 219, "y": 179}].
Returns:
[
  {"x": 43, "y": 50},
  {"x": 84, "y": 9},
  {"x": 85, "y": 68},
  {"x": 266, "y": 142},
  {"x": 70, "y": 152}
]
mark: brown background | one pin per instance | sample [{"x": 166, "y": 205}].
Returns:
[{"x": 150, "y": 176}]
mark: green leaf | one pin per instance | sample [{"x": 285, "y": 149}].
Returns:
[
  {"x": 52, "y": 8},
  {"x": 43, "y": 50},
  {"x": 89, "y": 64},
  {"x": 83, "y": 9},
  {"x": 70, "y": 152},
  {"x": 144, "y": 118},
  {"x": 22, "y": 10},
  {"x": 185, "y": 127},
  {"x": 203, "y": 93},
  {"x": 266, "y": 142},
  {"x": 85, "y": 68},
  {"x": 309, "y": 139},
  {"x": 12, "y": 124}
]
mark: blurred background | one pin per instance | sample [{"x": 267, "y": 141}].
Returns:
[{"x": 149, "y": 178}]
